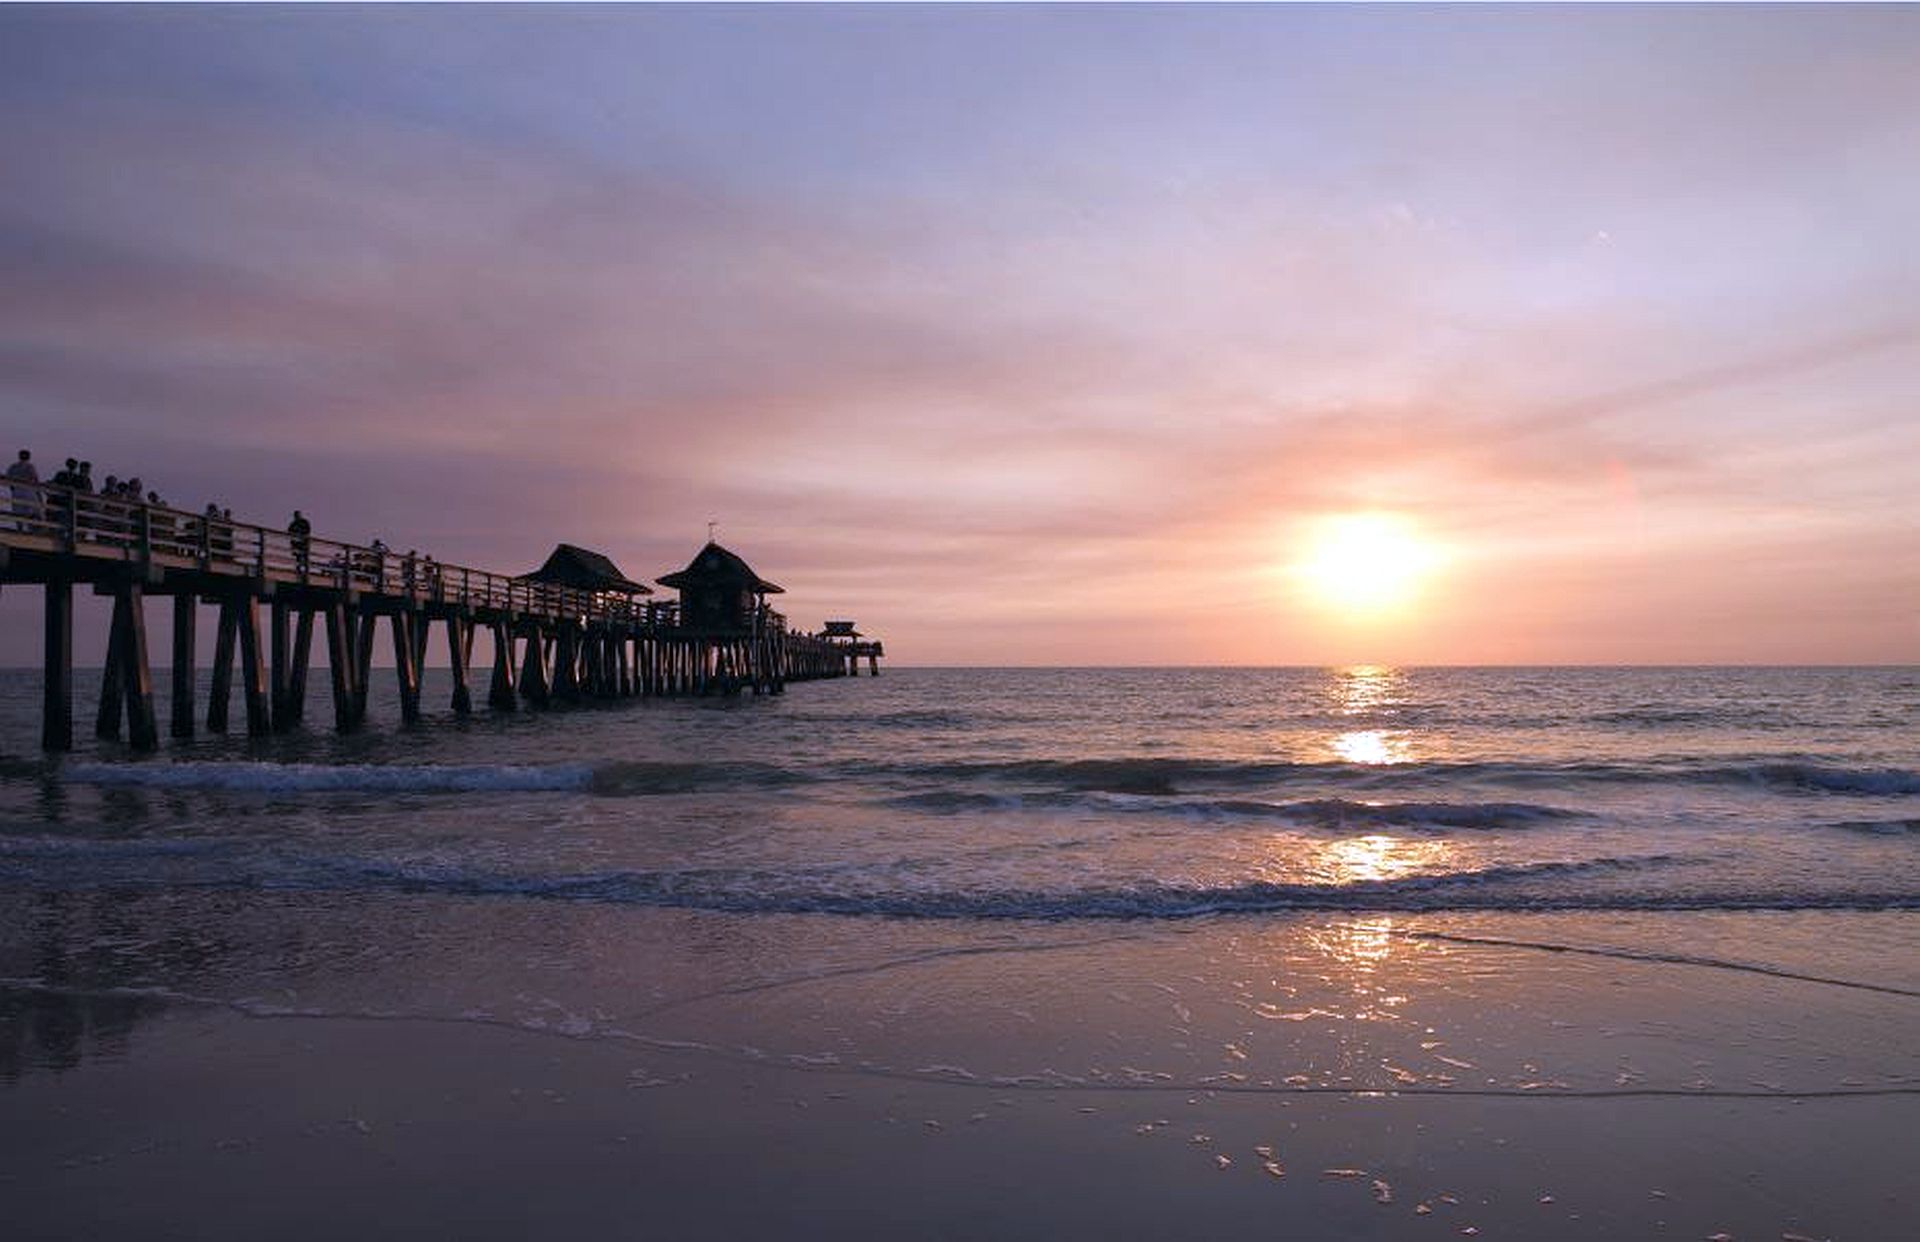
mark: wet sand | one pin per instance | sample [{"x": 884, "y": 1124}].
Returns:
[{"x": 1310, "y": 1078}]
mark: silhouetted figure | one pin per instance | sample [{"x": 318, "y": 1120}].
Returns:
[
  {"x": 219, "y": 531},
  {"x": 67, "y": 474},
  {"x": 26, "y": 500},
  {"x": 83, "y": 481},
  {"x": 300, "y": 533},
  {"x": 378, "y": 572}
]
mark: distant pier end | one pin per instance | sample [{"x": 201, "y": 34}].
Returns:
[
  {"x": 576, "y": 628},
  {"x": 854, "y": 645}
]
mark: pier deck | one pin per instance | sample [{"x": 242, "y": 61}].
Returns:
[{"x": 553, "y": 644}]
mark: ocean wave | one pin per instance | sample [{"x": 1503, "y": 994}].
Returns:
[
  {"x": 1160, "y": 776},
  {"x": 1331, "y": 814},
  {"x": 1822, "y": 778},
  {"x": 633, "y": 777},
  {"x": 1166, "y": 778},
  {"x": 1344, "y": 813},
  {"x": 1534, "y": 886},
  {"x": 1658, "y": 714},
  {"x": 1632, "y": 882},
  {"x": 1877, "y": 827},
  {"x": 106, "y": 848},
  {"x": 318, "y": 777},
  {"x": 612, "y": 779}
]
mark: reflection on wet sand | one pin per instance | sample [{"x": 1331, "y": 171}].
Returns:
[{"x": 45, "y": 1026}]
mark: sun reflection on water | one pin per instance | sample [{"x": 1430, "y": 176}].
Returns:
[
  {"x": 1359, "y": 690},
  {"x": 1378, "y": 857},
  {"x": 1370, "y": 746},
  {"x": 1363, "y": 687}
]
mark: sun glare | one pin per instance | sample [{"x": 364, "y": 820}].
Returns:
[{"x": 1366, "y": 563}]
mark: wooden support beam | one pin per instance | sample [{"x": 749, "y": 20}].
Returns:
[
  {"x": 406, "y": 671},
  {"x": 362, "y": 663},
  {"x": 459, "y": 647},
  {"x": 221, "y": 691},
  {"x": 106, "y": 722},
  {"x": 534, "y": 686},
  {"x": 279, "y": 660},
  {"x": 419, "y": 630},
  {"x": 253, "y": 668},
  {"x": 56, "y": 694},
  {"x": 566, "y": 663},
  {"x": 502, "y": 694},
  {"x": 136, "y": 674},
  {"x": 186, "y": 615},
  {"x": 297, "y": 673},
  {"x": 340, "y": 667}
]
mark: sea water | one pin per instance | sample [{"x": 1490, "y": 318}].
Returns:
[{"x": 1036, "y": 794}]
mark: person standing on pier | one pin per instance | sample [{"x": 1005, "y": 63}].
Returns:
[
  {"x": 300, "y": 533},
  {"x": 26, "y": 500}
]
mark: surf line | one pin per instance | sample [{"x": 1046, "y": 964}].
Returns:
[
  {"x": 1057, "y": 1084},
  {"x": 1664, "y": 959}
]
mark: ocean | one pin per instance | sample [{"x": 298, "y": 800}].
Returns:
[
  {"x": 1011, "y": 794},
  {"x": 1361, "y": 882}
]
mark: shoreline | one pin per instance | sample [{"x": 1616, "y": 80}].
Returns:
[{"x": 949, "y": 1090}]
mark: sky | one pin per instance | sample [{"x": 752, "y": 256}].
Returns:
[{"x": 1022, "y": 335}]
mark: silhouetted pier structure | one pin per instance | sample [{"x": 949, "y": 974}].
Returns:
[{"x": 575, "y": 629}]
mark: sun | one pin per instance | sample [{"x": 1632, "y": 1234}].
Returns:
[{"x": 1366, "y": 563}]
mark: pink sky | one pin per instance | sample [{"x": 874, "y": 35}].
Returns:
[{"x": 1021, "y": 335}]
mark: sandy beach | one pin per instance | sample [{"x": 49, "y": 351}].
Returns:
[{"x": 1305, "y": 1078}]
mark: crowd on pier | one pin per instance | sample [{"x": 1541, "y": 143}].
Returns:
[{"x": 119, "y": 509}]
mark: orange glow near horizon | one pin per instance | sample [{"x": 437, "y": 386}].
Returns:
[{"x": 1366, "y": 566}]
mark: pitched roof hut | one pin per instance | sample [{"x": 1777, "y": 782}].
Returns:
[
  {"x": 585, "y": 570},
  {"x": 719, "y": 591}
]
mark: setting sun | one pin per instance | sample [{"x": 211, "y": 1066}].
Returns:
[{"x": 1366, "y": 562}]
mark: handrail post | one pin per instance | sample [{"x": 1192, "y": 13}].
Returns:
[{"x": 260, "y": 551}]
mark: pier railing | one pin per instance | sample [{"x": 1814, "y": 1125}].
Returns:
[{"x": 108, "y": 528}]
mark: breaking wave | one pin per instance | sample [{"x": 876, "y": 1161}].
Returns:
[
  {"x": 1582, "y": 884},
  {"x": 1164, "y": 777},
  {"x": 1019, "y": 781},
  {"x": 1878, "y": 827},
  {"x": 614, "y": 779},
  {"x": 317, "y": 777},
  {"x": 1332, "y": 814}
]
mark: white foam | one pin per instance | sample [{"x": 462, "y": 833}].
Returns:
[{"x": 310, "y": 777}]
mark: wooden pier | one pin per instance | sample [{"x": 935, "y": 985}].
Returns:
[{"x": 573, "y": 630}]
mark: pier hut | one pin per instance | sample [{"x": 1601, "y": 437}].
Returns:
[
  {"x": 580, "y": 656},
  {"x": 723, "y": 615},
  {"x": 585, "y": 570},
  {"x": 719, "y": 592},
  {"x": 845, "y": 638}
]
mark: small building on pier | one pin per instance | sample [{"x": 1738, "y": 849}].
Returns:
[
  {"x": 583, "y": 569},
  {"x": 719, "y": 592}
]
